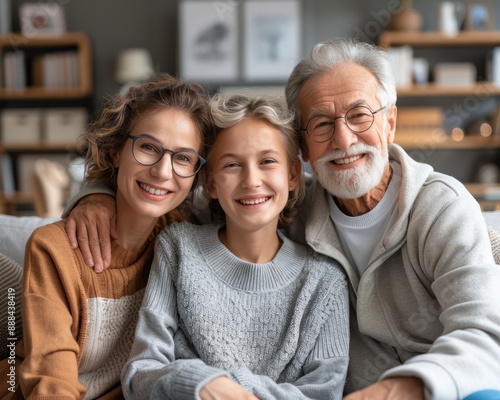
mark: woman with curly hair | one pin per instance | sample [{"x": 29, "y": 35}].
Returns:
[{"x": 79, "y": 325}]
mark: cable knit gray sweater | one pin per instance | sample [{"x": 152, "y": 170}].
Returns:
[{"x": 279, "y": 329}]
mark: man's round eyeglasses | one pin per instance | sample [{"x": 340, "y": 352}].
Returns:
[
  {"x": 358, "y": 119},
  {"x": 148, "y": 151}
]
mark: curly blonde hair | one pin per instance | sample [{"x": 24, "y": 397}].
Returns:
[{"x": 108, "y": 132}]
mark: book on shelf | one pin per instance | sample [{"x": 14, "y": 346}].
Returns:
[
  {"x": 493, "y": 66},
  {"x": 57, "y": 70},
  {"x": 401, "y": 60},
  {"x": 51, "y": 70},
  {"x": 14, "y": 70}
]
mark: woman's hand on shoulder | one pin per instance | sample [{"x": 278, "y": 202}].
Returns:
[
  {"x": 90, "y": 226},
  {"x": 224, "y": 388}
]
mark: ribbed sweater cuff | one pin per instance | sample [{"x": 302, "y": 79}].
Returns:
[
  {"x": 244, "y": 378},
  {"x": 187, "y": 383}
]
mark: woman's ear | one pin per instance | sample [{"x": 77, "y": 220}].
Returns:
[{"x": 116, "y": 159}]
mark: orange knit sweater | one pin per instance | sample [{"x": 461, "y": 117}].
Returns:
[{"x": 78, "y": 326}]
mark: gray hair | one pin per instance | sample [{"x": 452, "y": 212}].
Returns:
[{"x": 328, "y": 54}]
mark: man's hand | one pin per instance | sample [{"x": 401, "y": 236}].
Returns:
[
  {"x": 398, "y": 388},
  {"x": 91, "y": 225},
  {"x": 223, "y": 388}
]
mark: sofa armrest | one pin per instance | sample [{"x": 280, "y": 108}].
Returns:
[{"x": 14, "y": 233}]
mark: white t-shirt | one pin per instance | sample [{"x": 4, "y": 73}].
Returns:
[{"x": 360, "y": 235}]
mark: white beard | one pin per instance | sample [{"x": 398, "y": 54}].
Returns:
[{"x": 353, "y": 182}]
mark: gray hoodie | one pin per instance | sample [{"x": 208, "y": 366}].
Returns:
[{"x": 428, "y": 304}]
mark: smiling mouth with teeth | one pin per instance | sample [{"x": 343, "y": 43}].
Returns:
[
  {"x": 254, "y": 201},
  {"x": 347, "y": 160},
  {"x": 156, "y": 192}
]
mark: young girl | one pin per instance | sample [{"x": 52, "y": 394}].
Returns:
[
  {"x": 238, "y": 310},
  {"x": 79, "y": 325}
]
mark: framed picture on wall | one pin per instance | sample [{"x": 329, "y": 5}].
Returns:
[
  {"x": 208, "y": 42},
  {"x": 42, "y": 18},
  {"x": 479, "y": 16},
  {"x": 272, "y": 39}
]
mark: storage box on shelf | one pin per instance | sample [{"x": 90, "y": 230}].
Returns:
[
  {"x": 461, "y": 53},
  {"x": 45, "y": 88}
]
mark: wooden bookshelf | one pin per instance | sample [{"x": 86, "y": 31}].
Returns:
[
  {"x": 439, "y": 47},
  {"x": 39, "y": 43},
  {"x": 74, "y": 52}
]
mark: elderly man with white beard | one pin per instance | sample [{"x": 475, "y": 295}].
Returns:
[{"x": 425, "y": 304}]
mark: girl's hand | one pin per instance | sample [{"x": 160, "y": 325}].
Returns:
[
  {"x": 90, "y": 226},
  {"x": 223, "y": 388}
]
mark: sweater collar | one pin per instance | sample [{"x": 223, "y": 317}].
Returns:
[
  {"x": 123, "y": 258},
  {"x": 283, "y": 269}
]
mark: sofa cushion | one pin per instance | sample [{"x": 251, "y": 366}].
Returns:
[
  {"x": 10, "y": 304},
  {"x": 14, "y": 233}
]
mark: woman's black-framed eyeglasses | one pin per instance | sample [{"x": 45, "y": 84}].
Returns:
[{"x": 148, "y": 151}]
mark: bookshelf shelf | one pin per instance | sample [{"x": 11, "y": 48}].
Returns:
[
  {"x": 433, "y": 89},
  {"x": 43, "y": 93},
  {"x": 427, "y": 139},
  {"x": 475, "y": 39},
  {"x": 465, "y": 38}
]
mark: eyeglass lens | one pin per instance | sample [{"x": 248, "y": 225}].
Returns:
[
  {"x": 358, "y": 119},
  {"x": 148, "y": 151}
]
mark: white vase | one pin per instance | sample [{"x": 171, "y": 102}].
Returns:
[{"x": 451, "y": 17}]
